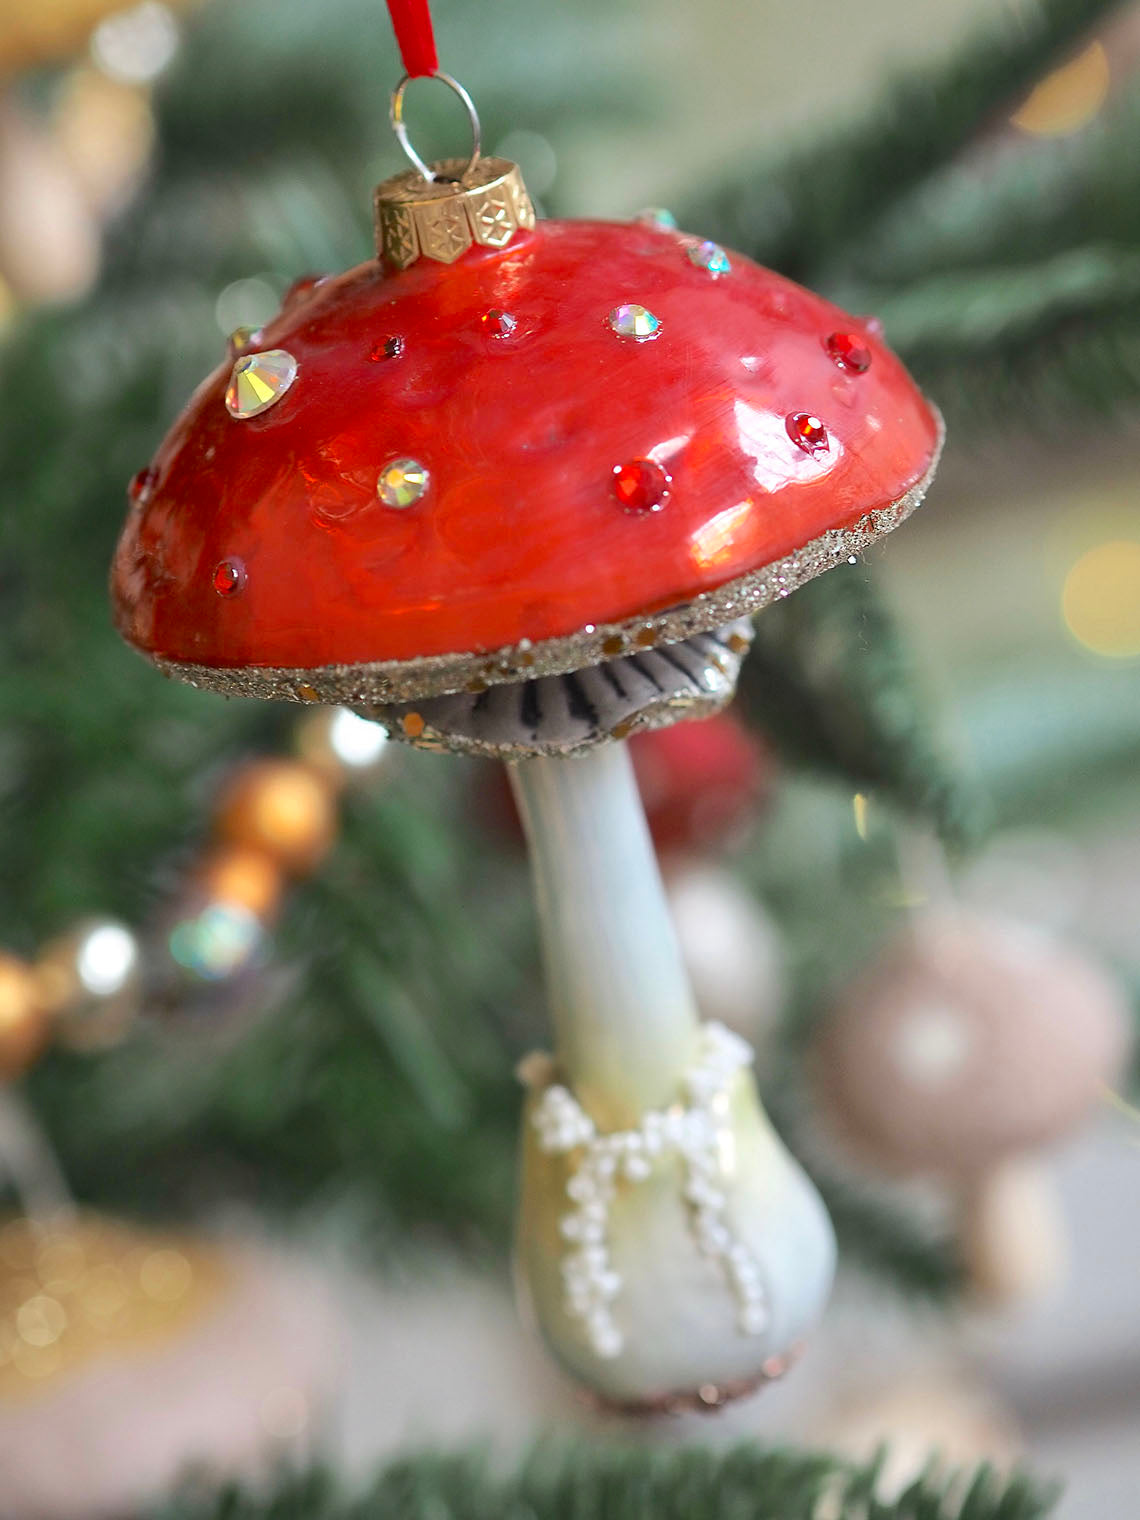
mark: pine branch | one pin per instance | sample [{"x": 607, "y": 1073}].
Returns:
[
  {"x": 1082, "y": 371},
  {"x": 961, "y": 316},
  {"x": 1021, "y": 201},
  {"x": 829, "y": 681},
  {"x": 666, "y": 1482},
  {"x": 796, "y": 215}
]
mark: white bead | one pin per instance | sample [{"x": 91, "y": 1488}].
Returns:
[
  {"x": 754, "y": 1320},
  {"x": 714, "y": 1238},
  {"x": 607, "y": 1343}
]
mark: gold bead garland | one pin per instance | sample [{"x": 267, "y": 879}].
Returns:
[{"x": 273, "y": 823}]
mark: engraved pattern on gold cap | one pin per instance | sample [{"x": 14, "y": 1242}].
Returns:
[{"x": 440, "y": 219}]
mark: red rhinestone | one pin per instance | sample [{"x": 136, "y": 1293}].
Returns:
[
  {"x": 387, "y": 348},
  {"x": 301, "y": 288},
  {"x": 142, "y": 485},
  {"x": 500, "y": 324},
  {"x": 808, "y": 432},
  {"x": 641, "y": 485},
  {"x": 849, "y": 351},
  {"x": 229, "y": 577}
]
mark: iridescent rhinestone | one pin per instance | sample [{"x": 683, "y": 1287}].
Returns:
[
  {"x": 402, "y": 483},
  {"x": 240, "y": 341},
  {"x": 500, "y": 324},
  {"x": 387, "y": 348},
  {"x": 640, "y": 485},
  {"x": 631, "y": 321},
  {"x": 259, "y": 381},
  {"x": 849, "y": 351},
  {"x": 142, "y": 485},
  {"x": 807, "y": 432},
  {"x": 229, "y": 577},
  {"x": 709, "y": 256},
  {"x": 657, "y": 216}
]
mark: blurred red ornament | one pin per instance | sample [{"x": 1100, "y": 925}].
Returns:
[{"x": 699, "y": 782}]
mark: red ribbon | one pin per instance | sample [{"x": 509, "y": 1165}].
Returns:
[{"x": 415, "y": 37}]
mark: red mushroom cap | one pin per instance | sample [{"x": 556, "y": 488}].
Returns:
[{"x": 577, "y": 478}]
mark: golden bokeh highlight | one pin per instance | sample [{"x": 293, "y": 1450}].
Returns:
[
  {"x": 283, "y": 808},
  {"x": 1100, "y": 600},
  {"x": 78, "y": 1289},
  {"x": 246, "y": 877},
  {"x": 859, "y": 806},
  {"x": 23, "y": 1017},
  {"x": 1069, "y": 98}
]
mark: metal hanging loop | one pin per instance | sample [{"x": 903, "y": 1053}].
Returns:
[{"x": 399, "y": 126}]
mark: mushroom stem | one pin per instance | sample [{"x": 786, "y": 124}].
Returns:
[
  {"x": 624, "y": 1014},
  {"x": 1012, "y": 1233}
]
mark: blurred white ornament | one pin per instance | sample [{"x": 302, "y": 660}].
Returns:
[{"x": 731, "y": 949}]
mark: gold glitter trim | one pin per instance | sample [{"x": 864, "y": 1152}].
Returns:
[
  {"x": 380, "y": 682},
  {"x": 662, "y": 714},
  {"x": 698, "y": 691}
]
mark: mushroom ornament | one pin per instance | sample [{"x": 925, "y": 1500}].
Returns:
[
  {"x": 515, "y": 488},
  {"x": 966, "y": 1048}
]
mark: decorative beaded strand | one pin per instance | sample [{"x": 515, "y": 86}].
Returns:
[{"x": 693, "y": 1131}]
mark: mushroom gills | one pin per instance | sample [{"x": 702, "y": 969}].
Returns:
[{"x": 563, "y": 714}]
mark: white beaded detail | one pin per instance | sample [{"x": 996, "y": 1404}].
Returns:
[{"x": 694, "y": 1131}]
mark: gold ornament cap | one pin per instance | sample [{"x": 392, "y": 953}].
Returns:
[{"x": 483, "y": 204}]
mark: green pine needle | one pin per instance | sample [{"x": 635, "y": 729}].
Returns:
[
  {"x": 829, "y": 680},
  {"x": 638, "y": 1483},
  {"x": 798, "y": 215}
]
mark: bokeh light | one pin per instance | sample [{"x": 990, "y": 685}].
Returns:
[
  {"x": 1069, "y": 98},
  {"x": 1100, "y": 601}
]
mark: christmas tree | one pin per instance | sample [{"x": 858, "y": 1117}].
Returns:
[{"x": 319, "y": 964}]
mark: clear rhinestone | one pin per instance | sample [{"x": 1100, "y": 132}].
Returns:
[
  {"x": 630, "y": 321},
  {"x": 259, "y": 381},
  {"x": 402, "y": 483},
  {"x": 710, "y": 256},
  {"x": 240, "y": 341},
  {"x": 499, "y": 324},
  {"x": 657, "y": 216}
]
